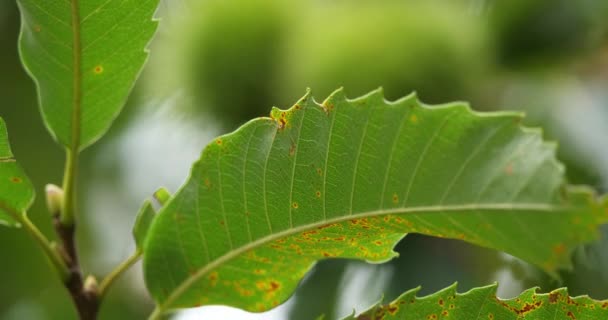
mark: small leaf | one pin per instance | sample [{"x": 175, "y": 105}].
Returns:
[
  {"x": 84, "y": 56},
  {"x": 16, "y": 190},
  {"x": 348, "y": 179},
  {"x": 482, "y": 303},
  {"x": 146, "y": 215},
  {"x": 142, "y": 224}
]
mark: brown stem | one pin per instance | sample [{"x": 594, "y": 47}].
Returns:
[{"x": 85, "y": 298}]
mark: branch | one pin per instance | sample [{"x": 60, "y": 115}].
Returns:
[{"x": 119, "y": 270}]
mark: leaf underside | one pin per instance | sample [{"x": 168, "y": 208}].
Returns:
[
  {"x": 16, "y": 190},
  {"x": 113, "y": 35},
  {"x": 348, "y": 178},
  {"x": 482, "y": 303}
]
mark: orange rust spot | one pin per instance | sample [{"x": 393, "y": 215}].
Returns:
[
  {"x": 16, "y": 180},
  {"x": 282, "y": 122},
  {"x": 207, "y": 183},
  {"x": 218, "y": 142},
  {"x": 213, "y": 276},
  {"x": 260, "y": 285},
  {"x": 395, "y": 198},
  {"x": 222, "y": 222},
  {"x": 386, "y": 218},
  {"x": 440, "y": 302},
  {"x": 509, "y": 169},
  {"x": 318, "y": 194},
  {"x": 327, "y": 226},
  {"x": 294, "y": 205},
  {"x": 559, "y": 249},
  {"x": 340, "y": 238},
  {"x": 605, "y": 305},
  {"x": 413, "y": 119},
  {"x": 245, "y": 292},
  {"x": 432, "y": 316},
  {"x": 378, "y": 242},
  {"x": 37, "y": 28},
  {"x": 326, "y": 254},
  {"x": 309, "y": 232},
  {"x": 259, "y": 271},
  {"x": 297, "y": 107},
  {"x": 98, "y": 69},
  {"x": 444, "y": 313}
]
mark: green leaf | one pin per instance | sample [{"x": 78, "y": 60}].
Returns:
[
  {"x": 146, "y": 215},
  {"x": 348, "y": 178},
  {"x": 84, "y": 56},
  {"x": 482, "y": 303},
  {"x": 16, "y": 190},
  {"x": 142, "y": 223}
]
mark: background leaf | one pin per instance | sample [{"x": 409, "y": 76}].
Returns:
[
  {"x": 348, "y": 178},
  {"x": 84, "y": 57},
  {"x": 16, "y": 191},
  {"x": 482, "y": 303}
]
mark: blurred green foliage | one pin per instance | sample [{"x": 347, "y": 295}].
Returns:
[{"x": 232, "y": 60}]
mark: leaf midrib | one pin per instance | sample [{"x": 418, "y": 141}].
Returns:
[
  {"x": 375, "y": 213},
  {"x": 77, "y": 77}
]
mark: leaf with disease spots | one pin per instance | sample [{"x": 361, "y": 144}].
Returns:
[
  {"x": 84, "y": 56},
  {"x": 348, "y": 179},
  {"x": 16, "y": 190},
  {"x": 482, "y": 303}
]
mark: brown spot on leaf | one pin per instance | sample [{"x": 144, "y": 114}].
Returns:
[
  {"x": 274, "y": 286},
  {"x": 440, "y": 302},
  {"x": 37, "y": 28},
  {"x": 553, "y": 297},
  {"x": 295, "y": 205},
  {"x": 327, "y": 107},
  {"x": 413, "y": 119},
  {"x": 292, "y": 150},
  {"x": 395, "y": 198},
  {"x": 571, "y": 315},
  {"x": 219, "y": 141},
  {"x": 16, "y": 180},
  {"x": 98, "y": 69},
  {"x": 318, "y": 194},
  {"x": 392, "y": 309},
  {"x": 509, "y": 169},
  {"x": 445, "y": 313}
]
